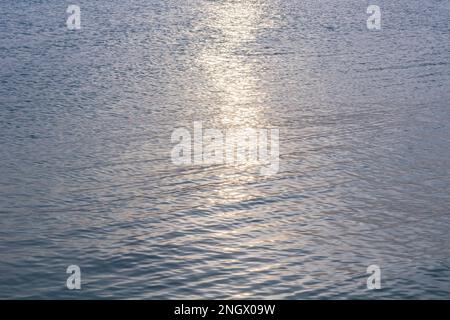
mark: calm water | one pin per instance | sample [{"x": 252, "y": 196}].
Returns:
[{"x": 85, "y": 170}]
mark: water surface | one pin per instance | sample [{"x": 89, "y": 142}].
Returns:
[{"x": 86, "y": 176}]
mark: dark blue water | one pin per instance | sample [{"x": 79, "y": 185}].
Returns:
[{"x": 86, "y": 176}]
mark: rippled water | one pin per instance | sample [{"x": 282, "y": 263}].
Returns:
[{"x": 86, "y": 176}]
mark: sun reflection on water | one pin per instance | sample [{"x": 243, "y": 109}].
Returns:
[{"x": 232, "y": 74}]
